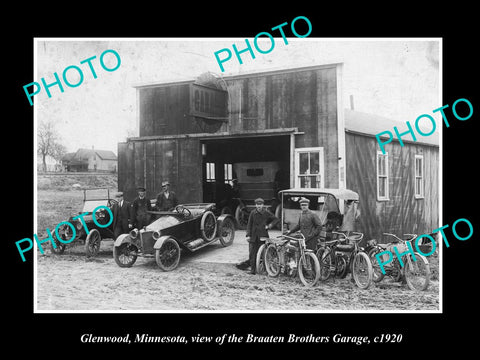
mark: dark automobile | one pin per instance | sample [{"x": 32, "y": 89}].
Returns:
[
  {"x": 189, "y": 227},
  {"x": 92, "y": 199}
]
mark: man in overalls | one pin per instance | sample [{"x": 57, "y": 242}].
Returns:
[{"x": 140, "y": 206}]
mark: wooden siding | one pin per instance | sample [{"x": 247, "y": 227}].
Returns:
[
  {"x": 302, "y": 98},
  {"x": 402, "y": 213},
  {"x": 149, "y": 162}
]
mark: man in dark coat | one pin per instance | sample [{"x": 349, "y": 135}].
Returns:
[
  {"x": 259, "y": 222},
  {"x": 122, "y": 216},
  {"x": 140, "y": 206},
  {"x": 166, "y": 200},
  {"x": 309, "y": 224}
]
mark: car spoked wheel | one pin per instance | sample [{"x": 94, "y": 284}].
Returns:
[
  {"x": 125, "y": 255},
  {"x": 241, "y": 215},
  {"x": 208, "y": 226},
  {"x": 92, "y": 243},
  {"x": 168, "y": 256},
  {"x": 227, "y": 232},
  {"x": 65, "y": 233}
]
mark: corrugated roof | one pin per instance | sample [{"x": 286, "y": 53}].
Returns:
[{"x": 371, "y": 125}]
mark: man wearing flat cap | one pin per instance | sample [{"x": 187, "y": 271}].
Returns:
[
  {"x": 166, "y": 200},
  {"x": 260, "y": 221},
  {"x": 122, "y": 215},
  {"x": 309, "y": 224},
  {"x": 140, "y": 206}
]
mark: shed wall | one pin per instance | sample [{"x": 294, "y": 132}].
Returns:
[{"x": 402, "y": 213}]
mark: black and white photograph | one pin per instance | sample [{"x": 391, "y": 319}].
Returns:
[
  {"x": 298, "y": 181},
  {"x": 169, "y": 185}
]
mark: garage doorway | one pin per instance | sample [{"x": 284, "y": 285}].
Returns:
[{"x": 245, "y": 167}]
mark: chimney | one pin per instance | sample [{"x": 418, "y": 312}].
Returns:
[{"x": 352, "y": 107}]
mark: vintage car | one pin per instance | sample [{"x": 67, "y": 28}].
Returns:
[
  {"x": 189, "y": 227},
  {"x": 92, "y": 198},
  {"x": 257, "y": 179},
  {"x": 323, "y": 201}
]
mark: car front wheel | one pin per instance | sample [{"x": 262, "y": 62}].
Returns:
[
  {"x": 168, "y": 256},
  {"x": 125, "y": 255}
]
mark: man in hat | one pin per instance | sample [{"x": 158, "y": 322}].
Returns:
[
  {"x": 122, "y": 216},
  {"x": 260, "y": 221},
  {"x": 166, "y": 200},
  {"x": 140, "y": 206},
  {"x": 309, "y": 224}
]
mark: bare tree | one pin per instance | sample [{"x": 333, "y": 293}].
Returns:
[{"x": 48, "y": 142}]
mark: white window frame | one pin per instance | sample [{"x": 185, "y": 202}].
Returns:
[
  {"x": 228, "y": 173},
  {"x": 387, "y": 193},
  {"x": 419, "y": 194},
  {"x": 321, "y": 173},
  {"x": 210, "y": 172}
]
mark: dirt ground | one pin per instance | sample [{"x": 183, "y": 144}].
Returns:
[{"x": 204, "y": 280}]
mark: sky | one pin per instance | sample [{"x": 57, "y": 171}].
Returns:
[{"x": 396, "y": 78}]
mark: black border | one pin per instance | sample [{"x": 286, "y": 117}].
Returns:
[{"x": 427, "y": 333}]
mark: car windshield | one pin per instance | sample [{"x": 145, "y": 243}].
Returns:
[
  {"x": 90, "y": 205},
  {"x": 321, "y": 204},
  {"x": 163, "y": 223}
]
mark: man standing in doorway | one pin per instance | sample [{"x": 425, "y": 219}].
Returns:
[
  {"x": 166, "y": 200},
  {"x": 309, "y": 224},
  {"x": 140, "y": 206}
]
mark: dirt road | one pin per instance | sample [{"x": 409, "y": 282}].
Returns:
[{"x": 205, "y": 280}]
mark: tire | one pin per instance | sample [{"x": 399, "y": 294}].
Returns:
[
  {"x": 377, "y": 272},
  {"x": 341, "y": 270},
  {"x": 92, "y": 243},
  {"x": 260, "y": 261},
  {"x": 309, "y": 269},
  {"x": 278, "y": 215},
  {"x": 226, "y": 210},
  {"x": 125, "y": 255},
  {"x": 417, "y": 273},
  {"x": 325, "y": 261},
  {"x": 227, "y": 232},
  {"x": 362, "y": 271},
  {"x": 241, "y": 217},
  {"x": 59, "y": 246},
  {"x": 58, "y": 249},
  {"x": 168, "y": 256},
  {"x": 208, "y": 226},
  {"x": 272, "y": 261}
]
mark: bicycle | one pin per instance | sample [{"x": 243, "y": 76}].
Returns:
[
  {"x": 416, "y": 273},
  {"x": 288, "y": 254}
]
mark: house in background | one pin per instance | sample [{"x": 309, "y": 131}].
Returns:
[{"x": 84, "y": 160}]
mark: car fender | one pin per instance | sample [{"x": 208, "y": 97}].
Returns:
[
  {"x": 158, "y": 244},
  {"x": 221, "y": 218},
  {"x": 123, "y": 238}
]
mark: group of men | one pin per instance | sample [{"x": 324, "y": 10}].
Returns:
[
  {"x": 261, "y": 220},
  {"x": 128, "y": 215},
  {"x": 136, "y": 214}
]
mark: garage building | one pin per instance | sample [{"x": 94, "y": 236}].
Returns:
[{"x": 270, "y": 130}]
